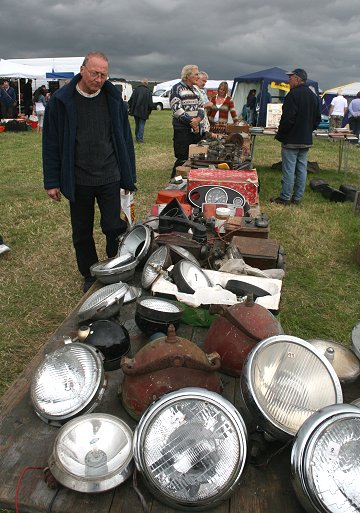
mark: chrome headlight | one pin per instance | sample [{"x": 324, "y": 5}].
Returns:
[
  {"x": 92, "y": 453},
  {"x": 137, "y": 242},
  {"x": 70, "y": 381},
  {"x": 325, "y": 461},
  {"x": 103, "y": 303},
  {"x": 155, "y": 265},
  {"x": 285, "y": 380},
  {"x": 191, "y": 447}
]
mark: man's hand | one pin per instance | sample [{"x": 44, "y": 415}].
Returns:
[
  {"x": 54, "y": 194},
  {"x": 195, "y": 123}
]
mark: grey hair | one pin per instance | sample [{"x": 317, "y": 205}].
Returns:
[
  {"x": 187, "y": 70},
  {"x": 100, "y": 55},
  {"x": 203, "y": 74}
]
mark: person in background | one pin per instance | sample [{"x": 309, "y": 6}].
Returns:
[
  {"x": 141, "y": 106},
  {"x": 188, "y": 112},
  {"x": 39, "y": 106},
  {"x": 200, "y": 83},
  {"x": 88, "y": 155},
  {"x": 28, "y": 98},
  {"x": 300, "y": 117},
  {"x": 337, "y": 111},
  {"x": 222, "y": 105},
  {"x": 354, "y": 117},
  {"x": 8, "y": 100},
  {"x": 251, "y": 106}
]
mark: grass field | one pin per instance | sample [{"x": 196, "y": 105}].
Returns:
[{"x": 40, "y": 284}]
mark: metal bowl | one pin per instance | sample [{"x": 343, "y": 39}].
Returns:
[{"x": 103, "y": 303}]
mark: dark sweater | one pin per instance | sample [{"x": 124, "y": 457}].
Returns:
[
  {"x": 300, "y": 116},
  {"x": 95, "y": 160}
]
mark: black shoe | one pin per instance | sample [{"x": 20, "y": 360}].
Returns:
[
  {"x": 90, "y": 280},
  {"x": 280, "y": 201},
  {"x": 295, "y": 201}
]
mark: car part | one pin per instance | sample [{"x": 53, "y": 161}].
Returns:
[
  {"x": 156, "y": 264},
  {"x": 68, "y": 382},
  {"x": 191, "y": 447},
  {"x": 137, "y": 242},
  {"x": 189, "y": 277},
  {"x": 92, "y": 453},
  {"x": 346, "y": 364},
  {"x": 156, "y": 314},
  {"x": 325, "y": 460},
  {"x": 103, "y": 303},
  {"x": 110, "y": 338},
  {"x": 236, "y": 332},
  {"x": 285, "y": 380},
  {"x": 166, "y": 363},
  {"x": 115, "y": 270}
]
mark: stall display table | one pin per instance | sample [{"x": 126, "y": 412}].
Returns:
[{"x": 27, "y": 441}]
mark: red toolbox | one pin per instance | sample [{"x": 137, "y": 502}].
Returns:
[{"x": 244, "y": 181}]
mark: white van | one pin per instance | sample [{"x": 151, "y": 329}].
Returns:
[
  {"x": 125, "y": 89},
  {"x": 161, "y": 99}
]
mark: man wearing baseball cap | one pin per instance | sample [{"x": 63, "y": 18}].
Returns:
[{"x": 300, "y": 116}]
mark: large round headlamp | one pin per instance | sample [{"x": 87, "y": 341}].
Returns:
[
  {"x": 92, "y": 453},
  {"x": 103, "y": 303},
  {"x": 285, "y": 380},
  {"x": 190, "y": 446},
  {"x": 69, "y": 382},
  {"x": 189, "y": 277},
  {"x": 325, "y": 461}
]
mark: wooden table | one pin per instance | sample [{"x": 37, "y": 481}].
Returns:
[{"x": 27, "y": 441}]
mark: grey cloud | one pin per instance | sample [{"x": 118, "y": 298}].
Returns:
[{"x": 155, "y": 38}]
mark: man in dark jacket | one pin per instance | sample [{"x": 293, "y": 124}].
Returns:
[
  {"x": 300, "y": 116},
  {"x": 88, "y": 155},
  {"x": 140, "y": 106}
]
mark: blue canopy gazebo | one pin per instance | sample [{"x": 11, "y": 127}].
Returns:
[{"x": 262, "y": 81}]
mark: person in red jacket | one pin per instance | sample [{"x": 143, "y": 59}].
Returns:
[{"x": 222, "y": 106}]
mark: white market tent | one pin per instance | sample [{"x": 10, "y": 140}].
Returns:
[
  {"x": 348, "y": 90},
  {"x": 210, "y": 84},
  {"x": 10, "y": 69},
  {"x": 54, "y": 64}
]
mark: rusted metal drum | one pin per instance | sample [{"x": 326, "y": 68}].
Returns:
[
  {"x": 166, "y": 364},
  {"x": 235, "y": 333}
]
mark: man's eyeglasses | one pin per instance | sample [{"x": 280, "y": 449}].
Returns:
[{"x": 95, "y": 74}]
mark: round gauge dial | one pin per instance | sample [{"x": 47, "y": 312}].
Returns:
[
  {"x": 216, "y": 195},
  {"x": 189, "y": 277},
  {"x": 239, "y": 201}
]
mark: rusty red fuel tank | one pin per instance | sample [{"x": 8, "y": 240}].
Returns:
[
  {"x": 166, "y": 364},
  {"x": 236, "y": 332}
]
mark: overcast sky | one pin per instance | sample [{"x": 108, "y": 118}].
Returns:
[{"x": 156, "y": 38}]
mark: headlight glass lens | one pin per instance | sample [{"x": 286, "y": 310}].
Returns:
[
  {"x": 160, "y": 305},
  {"x": 66, "y": 381},
  {"x": 291, "y": 381},
  {"x": 193, "y": 449},
  {"x": 333, "y": 469}
]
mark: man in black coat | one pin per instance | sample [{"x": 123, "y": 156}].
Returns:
[
  {"x": 300, "y": 117},
  {"x": 140, "y": 106}
]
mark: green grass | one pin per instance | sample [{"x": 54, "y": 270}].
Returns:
[{"x": 40, "y": 285}]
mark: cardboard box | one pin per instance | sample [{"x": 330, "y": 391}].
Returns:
[
  {"x": 244, "y": 181},
  {"x": 194, "y": 149},
  {"x": 182, "y": 171}
]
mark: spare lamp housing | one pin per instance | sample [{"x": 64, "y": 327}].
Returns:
[
  {"x": 285, "y": 380},
  {"x": 191, "y": 447},
  {"x": 69, "y": 382},
  {"x": 325, "y": 460},
  {"x": 92, "y": 453}
]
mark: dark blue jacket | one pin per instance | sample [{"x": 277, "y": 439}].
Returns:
[
  {"x": 300, "y": 116},
  {"x": 59, "y": 133}
]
